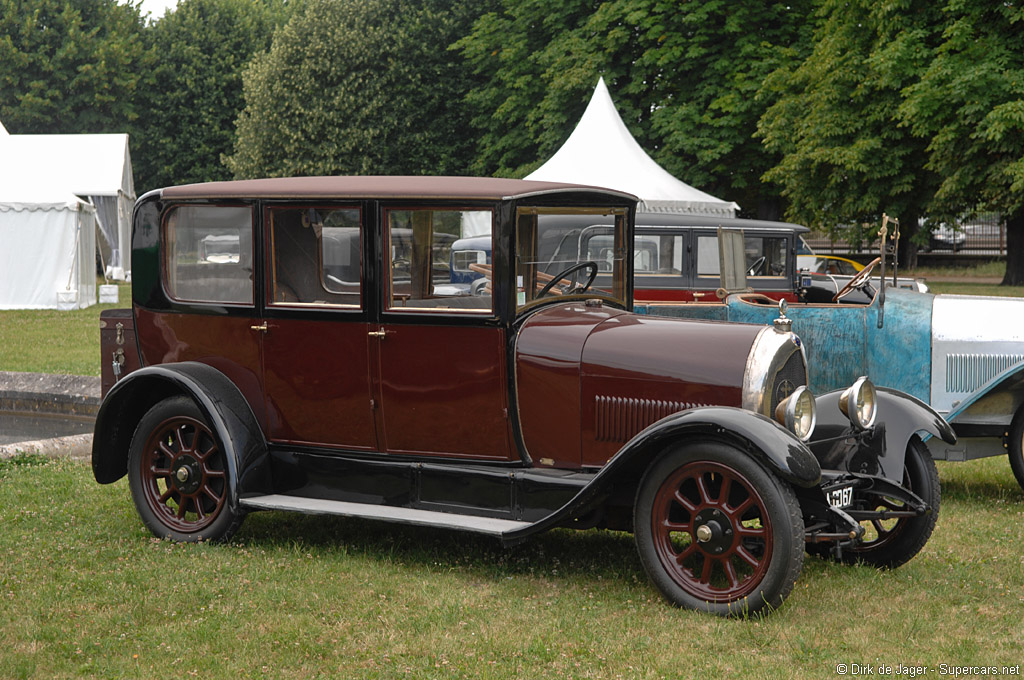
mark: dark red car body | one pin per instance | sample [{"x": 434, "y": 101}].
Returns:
[{"x": 354, "y": 382}]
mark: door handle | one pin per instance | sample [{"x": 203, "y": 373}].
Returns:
[
  {"x": 377, "y": 334},
  {"x": 263, "y": 327}
]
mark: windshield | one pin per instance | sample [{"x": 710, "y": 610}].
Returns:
[{"x": 557, "y": 254}]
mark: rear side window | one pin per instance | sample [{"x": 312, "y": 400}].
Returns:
[
  {"x": 208, "y": 255},
  {"x": 316, "y": 256}
]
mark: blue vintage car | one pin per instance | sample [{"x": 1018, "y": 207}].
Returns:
[{"x": 963, "y": 355}]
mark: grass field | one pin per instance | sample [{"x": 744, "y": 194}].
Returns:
[
  {"x": 52, "y": 341},
  {"x": 87, "y": 592}
]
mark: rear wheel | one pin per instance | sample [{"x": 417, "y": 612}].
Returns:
[
  {"x": 718, "y": 532},
  {"x": 178, "y": 475}
]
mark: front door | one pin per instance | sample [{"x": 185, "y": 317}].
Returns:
[{"x": 441, "y": 370}]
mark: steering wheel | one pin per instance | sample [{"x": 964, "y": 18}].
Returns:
[
  {"x": 589, "y": 264},
  {"x": 857, "y": 281},
  {"x": 758, "y": 264}
]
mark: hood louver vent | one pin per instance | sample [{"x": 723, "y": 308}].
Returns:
[
  {"x": 617, "y": 419},
  {"x": 967, "y": 372}
]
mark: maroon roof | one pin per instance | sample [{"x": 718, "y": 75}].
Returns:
[{"x": 390, "y": 186}]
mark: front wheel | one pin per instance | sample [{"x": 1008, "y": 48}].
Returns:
[
  {"x": 888, "y": 543},
  {"x": 718, "y": 532},
  {"x": 1015, "y": 446},
  {"x": 178, "y": 475}
]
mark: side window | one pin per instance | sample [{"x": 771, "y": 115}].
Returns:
[
  {"x": 766, "y": 256},
  {"x": 658, "y": 255},
  {"x": 439, "y": 260},
  {"x": 763, "y": 256},
  {"x": 707, "y": 256},
  {"x": 208, "y": 255},
  {"x": 316, "y": 256}
]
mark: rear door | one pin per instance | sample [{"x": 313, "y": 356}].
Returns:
[{"x": 316, "y": 365}]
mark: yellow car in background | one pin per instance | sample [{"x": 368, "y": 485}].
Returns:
[{"x": 828, "y": 264}]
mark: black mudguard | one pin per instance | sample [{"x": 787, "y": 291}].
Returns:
[
  {"x": 762, "y": 438},
  {"x": 882, "y": 449},
  {"x": 224, "y": 407}
]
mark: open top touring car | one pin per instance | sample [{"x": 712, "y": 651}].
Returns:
[{"x": 332, "y": 365}]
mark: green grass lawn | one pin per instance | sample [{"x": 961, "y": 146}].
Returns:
[
  {"x": 86, "y": 591},
  {"x": 52, "y": 341}
]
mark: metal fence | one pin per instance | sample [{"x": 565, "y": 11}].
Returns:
[{"x": 984, "y": 234}]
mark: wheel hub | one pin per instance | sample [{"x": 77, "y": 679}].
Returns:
[
  {"x": 187, "y": 474},
  {"x": 714, "y": 532}
]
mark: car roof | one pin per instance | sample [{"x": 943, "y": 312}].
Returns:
[
  {"x": 391, "y": 186},
  {"x": 669, "y": 220}
]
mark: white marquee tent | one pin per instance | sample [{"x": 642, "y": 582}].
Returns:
[
  {"x": 47, "y": 249},
  {"x": 602, "y": 152},
  {"x": 97, "y": 168}
]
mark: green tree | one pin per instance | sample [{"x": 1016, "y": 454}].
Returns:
[
  {"x": 684, "y": 76},
  {"x": 969, "y": 106},
  {"x": 707, "y": 60},
  {"x": 359, "y": 87},
  {"x": 193, "y": 91},
  {"x": 834, "y": 120},
  {"x": 529, "y": 96},
  {"x": 68, "y": 66}
]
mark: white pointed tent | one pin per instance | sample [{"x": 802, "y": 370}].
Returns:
[
  {"x": 602, "y": 152},
  {"x": 97, "y": 168}
]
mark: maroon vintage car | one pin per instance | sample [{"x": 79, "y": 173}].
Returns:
[{"x": 298, "y": 344}]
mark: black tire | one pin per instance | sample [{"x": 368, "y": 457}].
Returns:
[
  {"x": 1015, "y": 447},
  {"x": 888, "y": 544},
  {"x": 178, "y": 475},
  {"x": 718, "y": 532}
]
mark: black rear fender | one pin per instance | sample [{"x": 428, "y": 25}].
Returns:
[{"x": 224, "y": 407}]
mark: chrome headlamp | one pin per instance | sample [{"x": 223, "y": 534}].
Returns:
[
  {"x": 796, "y": 413},
  {"x": 858, "y": 403}
]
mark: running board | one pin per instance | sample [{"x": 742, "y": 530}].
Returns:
[{"x": 386, "y": 513}]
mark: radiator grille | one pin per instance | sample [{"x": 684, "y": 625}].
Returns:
[
  {"x": 619, "y": 418},
  {"x": 967, "y": 372},
  {"x": 792, "y": 373}
]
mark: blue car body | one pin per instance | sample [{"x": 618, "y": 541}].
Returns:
[{"x": 963, "y": 355}]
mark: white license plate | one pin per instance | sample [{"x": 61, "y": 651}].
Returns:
[{"x": 840, "y": 498}]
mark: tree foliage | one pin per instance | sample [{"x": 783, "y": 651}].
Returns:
[
  {"x": 193, "y": 92},
  {"x": 69, "y": 66},
  {"x": 683, "y": 75},
  {"x": 969, "y": 106},
  {"x": 359, "y": 87},
  {"x": 834, "y": 119}
]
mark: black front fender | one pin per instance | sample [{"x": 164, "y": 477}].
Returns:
[
  {"x": 763, "y": 439},
  {"x": 224, "y": 407},
  {"x": 882, "y": 449}
]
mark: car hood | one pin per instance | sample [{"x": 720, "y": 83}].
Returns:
[
  {"x": 709, "y": 354},
  {"x": 974, "y": 340},
  {"x": 599, "y": 375}
]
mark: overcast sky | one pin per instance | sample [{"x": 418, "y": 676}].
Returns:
[{"x": 156, "y": 8}]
